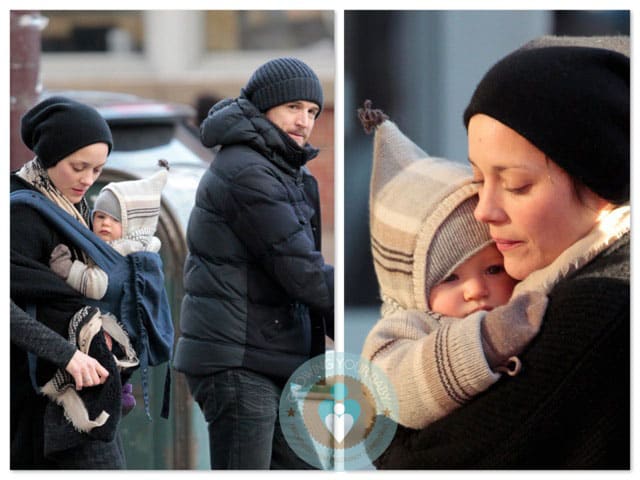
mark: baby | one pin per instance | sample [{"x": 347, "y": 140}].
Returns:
[
  {"x": 125, "y": 215},
  {"x": 436, "y": 264}
]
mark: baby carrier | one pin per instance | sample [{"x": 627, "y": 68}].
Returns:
[{"x": 135, "y": 295}]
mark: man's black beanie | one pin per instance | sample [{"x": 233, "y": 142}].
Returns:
[
  {"x": 283, "y": 80},
  {"x": 58, "y": 126},
  {"x": 569, "y": 96}
]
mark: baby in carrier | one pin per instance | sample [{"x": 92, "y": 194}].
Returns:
[{"x": 125, "y": 215}]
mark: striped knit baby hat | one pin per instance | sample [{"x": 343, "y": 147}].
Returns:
[
  {"x": 138, "y": 202},
  {"x": 421, "y": 218}
]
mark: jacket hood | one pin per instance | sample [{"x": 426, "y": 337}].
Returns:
[{"x": 234, "y": 121}]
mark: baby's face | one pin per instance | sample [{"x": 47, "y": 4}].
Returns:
[
  {"x": 106, "y": 227},
  {"x": 480, "y": 283}
]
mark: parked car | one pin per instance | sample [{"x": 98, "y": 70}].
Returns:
[{"x": 144, "y": 131}]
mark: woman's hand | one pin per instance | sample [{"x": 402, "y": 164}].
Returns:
[{"x": 86, "y": 371}]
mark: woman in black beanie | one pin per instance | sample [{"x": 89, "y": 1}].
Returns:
[
  {"x": 548, "y": 132},
  {"x": 71, "y": 142}
]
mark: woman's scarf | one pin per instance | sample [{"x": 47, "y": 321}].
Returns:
[
  {"x": 36, "y": 175},
  {"x": 611, "y": 226}
]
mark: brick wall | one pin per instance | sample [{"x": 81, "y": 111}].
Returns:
[{"x": 322, "y": 168}]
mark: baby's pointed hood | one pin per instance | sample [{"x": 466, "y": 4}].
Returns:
[
  {"x": 135, "y": 203},
  {"x": 421, "y": 218}
]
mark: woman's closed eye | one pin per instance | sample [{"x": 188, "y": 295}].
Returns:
[
  {"x": 81, "y": 167},
  {"x": 519, "y": 190}
]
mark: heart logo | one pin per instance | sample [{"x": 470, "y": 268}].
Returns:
[
  {"x": 339, "y": 425},
  {"x": 339, "y": 414}
]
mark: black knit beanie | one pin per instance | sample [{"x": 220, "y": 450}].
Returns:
[
  {"x": 570, "y": 98},
  {"x": 58, "y": 126},
  {"x": 283, "y": 80}
]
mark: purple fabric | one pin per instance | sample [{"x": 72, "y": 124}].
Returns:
[{"x": 128, "y": 400}]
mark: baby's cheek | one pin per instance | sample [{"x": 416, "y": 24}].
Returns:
[{"x": 504, "y": 288}]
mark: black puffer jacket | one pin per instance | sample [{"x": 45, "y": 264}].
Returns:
[{"x": 254, "y": 268}]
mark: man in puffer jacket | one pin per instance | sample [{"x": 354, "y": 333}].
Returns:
[{"x": 258, "y": 294}]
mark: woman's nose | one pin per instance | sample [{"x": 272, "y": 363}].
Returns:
[
  {"x": 488, "y": 209},
  {"x": 87, "y": 178}
]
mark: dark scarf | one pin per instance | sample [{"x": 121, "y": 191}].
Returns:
[{"x": 102, "y": 404}]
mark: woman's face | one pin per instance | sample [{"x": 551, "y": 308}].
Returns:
[
  {"x": 74, "y": 174},
  {"x": 529, "y": 202}
]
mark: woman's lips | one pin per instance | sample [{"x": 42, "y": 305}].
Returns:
[{"x": 505, "y": 245}]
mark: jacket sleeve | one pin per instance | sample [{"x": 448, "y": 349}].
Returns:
[
  {"x": 32, "y": 336},
  {"x": 575, "y": 371},
  {"x": 434, "y": 368},
  {"x": 272, "y": 229},
  {"x": 90, "y": 280},
  {"x": 32, "y": 281}
]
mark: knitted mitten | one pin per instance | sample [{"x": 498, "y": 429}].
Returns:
[
  {"x": 508, "y": 329},
  {"x": 60, "y": 261}
]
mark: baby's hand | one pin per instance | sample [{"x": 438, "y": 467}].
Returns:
[{"x": 60, "y": 261}]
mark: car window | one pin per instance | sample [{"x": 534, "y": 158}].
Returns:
[{"x": 141, "y": 137}]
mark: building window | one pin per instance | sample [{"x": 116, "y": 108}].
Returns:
[
  {"x": 591, "y": 22},
  {"x": 93, "y": 31},
  {"x": 267, "y": 30},
  {"x": 102, "y": 31}
]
